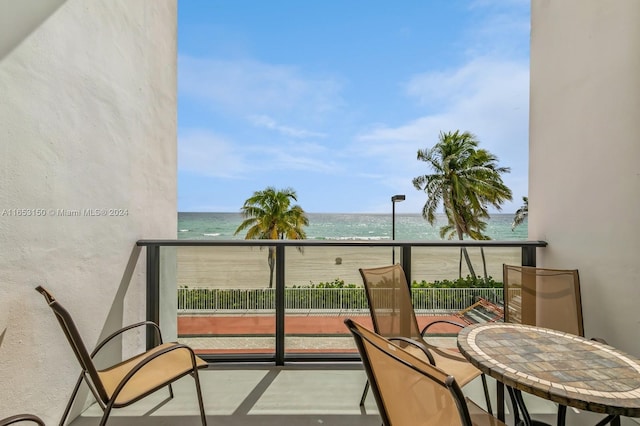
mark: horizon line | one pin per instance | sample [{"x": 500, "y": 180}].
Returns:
[{"x": 351, "y": 213}]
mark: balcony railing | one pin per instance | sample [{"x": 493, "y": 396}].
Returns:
[
  {"x": 284, "y": 303},
  {"x": 323, "y": 301}
]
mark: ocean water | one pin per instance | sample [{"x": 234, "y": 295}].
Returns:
[{"x": 343, "y": 226}]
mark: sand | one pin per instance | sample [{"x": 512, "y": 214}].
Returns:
[{"x": 246, "y": 267}]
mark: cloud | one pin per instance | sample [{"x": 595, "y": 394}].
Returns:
[
  {"x": 502, "y": 28},
  {"x": 500, "y": 4},
  {"x": 279, "y": 113},
  {"x": 294, "y": 157},
  {"x": 205, "y": 153},
  {"x": 269, "y": 123},
  {"x": 249, "y": 86},
  {"x": 264, "y": 96},
  {"x": 488, "y": 97},
  {"x": 487, "y": 94}
]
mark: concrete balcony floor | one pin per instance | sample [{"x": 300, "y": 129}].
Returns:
[{"x": 301, "y": 394}]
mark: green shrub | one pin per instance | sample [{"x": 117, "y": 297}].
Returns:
[
  {"x": 466, "y": 282},
  {"x": 353, "y": 296}
]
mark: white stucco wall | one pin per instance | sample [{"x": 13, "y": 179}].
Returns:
[
  {"x": 87, "y": 121},
  {"x": 584, "y": 183}
]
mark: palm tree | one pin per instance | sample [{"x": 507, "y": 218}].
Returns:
[
  {"x": 521, "y": 214},
  {"x": 269, "y": 216},
  {"x": 466, "y": 180}
]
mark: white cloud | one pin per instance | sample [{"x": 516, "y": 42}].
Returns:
[
  {"x": 253, "y": 87},
  {"x": 269, "y": 123},
  {"x": 294, "y": 157},
  {"x": 207, "y": 154},
  {"x": 500, "y": 4},
  {"x": 489, "y": 98},
  {"x": 502, "y": 28},
  {"x": 269, "y": 106},
  {"x": 485, "y": 96}
]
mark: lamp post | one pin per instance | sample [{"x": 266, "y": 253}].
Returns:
[{"x": 394, "y": 199}]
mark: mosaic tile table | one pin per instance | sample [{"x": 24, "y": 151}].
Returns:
[{"x": 557, "y": 366}]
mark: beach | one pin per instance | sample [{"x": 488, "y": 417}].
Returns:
[{"x": 246, "y": 267}]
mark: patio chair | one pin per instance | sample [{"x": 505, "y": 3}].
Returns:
[
  {"x": 410, "y": 391},
  {"x": 18, "y": 418},
  {"x": 543, "y": 297},
  {"x": 393, "y": 316},
  {"x": 131, "y": 380}
]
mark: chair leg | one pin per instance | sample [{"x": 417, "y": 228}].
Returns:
[
  {"x": 71, "y": 399},
  {"x": 364, "y": 394},
  {"x": 105, "y": 415},
  {"x": 170, "y": 391},
  {"x": 562, "y": 415},
  {"x": 196, "y": 378},
  {"x": 486, "y": 393}
]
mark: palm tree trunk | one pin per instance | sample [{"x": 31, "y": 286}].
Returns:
[
  {"x": 466, "y": 257},
  {"x": 472, "y": 272},
  {"x": 484, "y": 265},
  {"x": 272, "y": 264}
]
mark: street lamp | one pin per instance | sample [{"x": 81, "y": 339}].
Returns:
[{"x": 394, "y": 199}]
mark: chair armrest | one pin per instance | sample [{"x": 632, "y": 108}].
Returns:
[
  {"x": 441, "y": 322},
  {"x": 417, "y": 344},
  {"x": 127, "y": 328},
  {"x": 21, "y": 418}
]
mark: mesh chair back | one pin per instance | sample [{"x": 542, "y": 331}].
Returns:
[
  {"x": 389, "y": 298},
  {"x": 73, "y": 336},
  {"x": 542, "y": 297},
  {"x": 408, "y": 391}
]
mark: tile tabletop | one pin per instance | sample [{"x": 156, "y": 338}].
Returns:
[{"x": 561, "y": 367}]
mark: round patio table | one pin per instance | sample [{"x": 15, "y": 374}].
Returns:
[{"x": 563, "y": 368}]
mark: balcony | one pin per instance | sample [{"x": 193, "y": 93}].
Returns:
[{"x": 268, "y": 372}]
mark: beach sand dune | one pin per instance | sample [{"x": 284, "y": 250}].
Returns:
[{"x": 247, "y": 267}]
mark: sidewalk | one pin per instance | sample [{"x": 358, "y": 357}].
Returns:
[
  {"x": 311, "y": 325},
  {"x": 254, "y": 333}
]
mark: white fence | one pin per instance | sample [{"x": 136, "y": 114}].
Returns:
[{"x": 325, "y": 300}]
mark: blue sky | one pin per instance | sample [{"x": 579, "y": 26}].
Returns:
[{"x": 333, "y": 98}]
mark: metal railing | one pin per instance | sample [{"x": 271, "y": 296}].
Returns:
[
  {"x": 154, "y": 267},
  {"x": 319, "y": 301}
]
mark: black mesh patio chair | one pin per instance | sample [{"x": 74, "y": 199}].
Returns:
[
  {"x": 410, "y": 391},
  {"x": 393, "y": 316},
  {"x": 132, "y": 379}
]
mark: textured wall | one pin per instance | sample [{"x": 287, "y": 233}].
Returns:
[
  {"x": 87, "y": 121},
  {"x": 584, "y": 183}
]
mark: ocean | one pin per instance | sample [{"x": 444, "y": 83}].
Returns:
[{"x": 343, "y": 226}]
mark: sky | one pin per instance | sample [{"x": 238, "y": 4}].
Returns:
[{"x": 334, "y": 98}]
